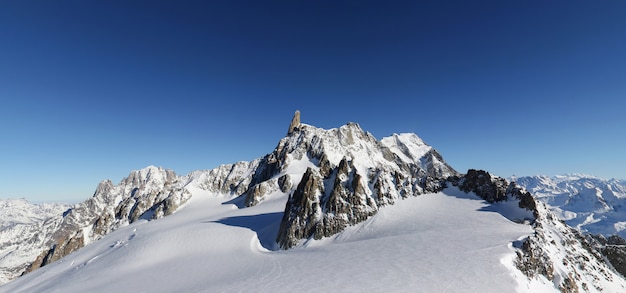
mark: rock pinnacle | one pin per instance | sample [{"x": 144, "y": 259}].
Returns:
[{"x": 295, "y": 122}]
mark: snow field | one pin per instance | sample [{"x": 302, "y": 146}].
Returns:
[{"x": 443, "y": 242}]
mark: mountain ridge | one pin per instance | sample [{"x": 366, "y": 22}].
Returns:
[{"x": 326, "y": 180}]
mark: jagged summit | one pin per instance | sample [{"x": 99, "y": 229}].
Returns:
[
  {"x": 341, "y": 176},
  {"x": 325, "y": 149}
]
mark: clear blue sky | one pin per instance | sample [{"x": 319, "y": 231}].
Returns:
[{"x": 91, "y": 90}]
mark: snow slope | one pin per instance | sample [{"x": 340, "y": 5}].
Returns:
[{"x": 209, "y": 245}]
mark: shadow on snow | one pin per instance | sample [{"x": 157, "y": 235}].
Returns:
[
  {"x": 509, "y": 209},
  {"x": 238, "y": 201},
  {"x": 264, "y": 225}
]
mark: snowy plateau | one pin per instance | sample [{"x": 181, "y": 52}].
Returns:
[{"x": 328, "y": 210}]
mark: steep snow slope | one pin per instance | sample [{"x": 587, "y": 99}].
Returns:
[
  {"x": 443, "y": 242},
  {"x": 591, "y": 204}
]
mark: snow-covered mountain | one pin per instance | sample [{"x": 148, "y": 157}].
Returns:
[
  {"x": 591, "y": 204},
  {"x": 20, "y": 211},
  {"x": 21, "y": 222},
  {"x": 151, "y": 192},
  {"x": 327, "y": 209}
]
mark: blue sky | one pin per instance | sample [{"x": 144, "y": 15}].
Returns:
[{"x": 91, "y": 91}]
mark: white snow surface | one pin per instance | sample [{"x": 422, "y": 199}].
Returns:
[
  {"x": 408, "y": 146},
  {"x": 442, "y": 242}
]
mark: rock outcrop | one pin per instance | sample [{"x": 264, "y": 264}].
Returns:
[
  {"x": 494, "y": 189},
  {"x": 295, "y": 122}
]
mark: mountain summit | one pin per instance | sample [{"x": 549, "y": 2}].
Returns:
[{"x": 375, "y": 211}]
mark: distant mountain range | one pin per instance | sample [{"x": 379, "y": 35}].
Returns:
[
  {"x": 327, "y": 209},
  {"x": 588, "y": 203},
  {"x": 20, "y": 211}
]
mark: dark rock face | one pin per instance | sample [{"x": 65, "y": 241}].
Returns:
[
  {"x": 322, "y": 207},
  {"x": 484, "y": 185},
  {"x": 284, "y": 183},
  {"x": 532, "y": 260},
  {"x": 63, "y": 247},
  {"x": 494, "y": 189},
  {"x": 295, "y": 122},
  {"x": 613, "y": 248},
  {"x": 301, "y": 219},
  {"x": 327, "y": 201}
]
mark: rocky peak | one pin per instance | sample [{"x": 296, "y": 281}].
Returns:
[
  {"x": 351, "y": 177},
  {"x": 150, "y": 175},
  {"x": 295, "y": 122},
  {"x": 326, "y": 148}
]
